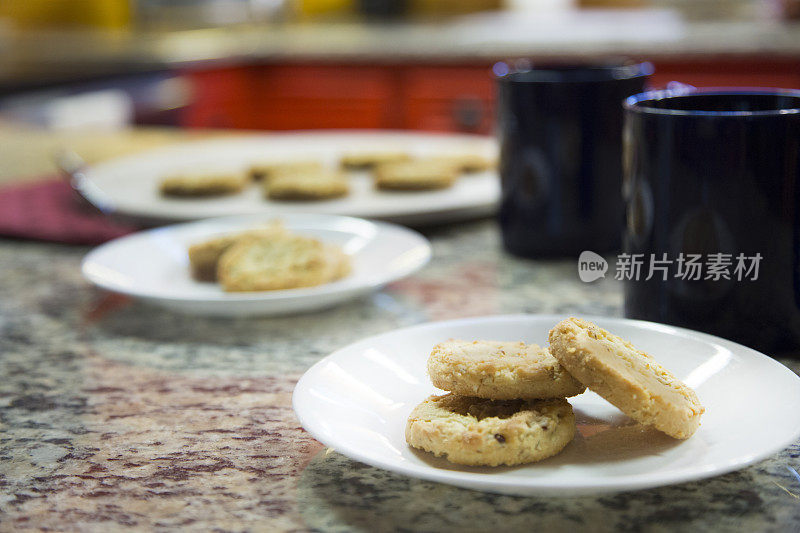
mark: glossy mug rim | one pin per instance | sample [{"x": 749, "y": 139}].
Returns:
[
  {"x": 575, "y": 72},
  {"x": 637, "y": 103}
]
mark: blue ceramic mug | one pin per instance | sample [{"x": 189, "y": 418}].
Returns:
[
  {"x": 712, "y": 235},
  {"x": 560, "y": 129}
]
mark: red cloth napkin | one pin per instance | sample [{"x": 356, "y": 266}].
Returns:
[{"x": 49, "y": 211}]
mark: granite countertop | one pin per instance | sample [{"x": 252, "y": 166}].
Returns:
[
  {"x": 652, "y": 33},
  {"x": 116, "y": 414}
]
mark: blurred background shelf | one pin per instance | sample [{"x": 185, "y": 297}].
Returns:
[{"x": 283, "y": 65}]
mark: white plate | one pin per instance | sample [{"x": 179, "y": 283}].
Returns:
[
  {"x": 357, "y": 400},
  {"x": 153, "y": 265},
  {"x": 129, "y": 185}
]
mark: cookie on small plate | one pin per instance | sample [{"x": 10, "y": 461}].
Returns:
[
  {"x": 204, "y": 256},
  {"x": 416, "y": 175},
  {"x": 627, "y": 377},
  {"x": 475, "y": 431},
  {"x": 307, "y": 185},
  {"x": 370, "y": 159},
  {"x": 287, "y": 262},
  {"x": 198, "y": 185},
  {"x": 266, "y": 171},
  {"x": 500, "y": 370}
]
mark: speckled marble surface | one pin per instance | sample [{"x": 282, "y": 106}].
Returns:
[{"x": 114, "y": 414}]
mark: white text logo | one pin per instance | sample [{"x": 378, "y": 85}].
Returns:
[{"x": 591, "y": 266}]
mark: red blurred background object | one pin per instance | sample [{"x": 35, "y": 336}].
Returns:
[{"x": 445, "y": 97}]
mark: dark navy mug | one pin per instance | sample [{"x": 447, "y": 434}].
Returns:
[
  {"x": 712, "y": 188},
  {"x": 560, "y": 130}
]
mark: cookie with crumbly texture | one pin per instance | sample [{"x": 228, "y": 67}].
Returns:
[
  {"x": 371, "y": 159},
  {"x": 416, "y": 175},
  {"x": 627, "y": 377},
  {"x": 266, "y": 171},
  {"x": 204, "y": 256},
  {"x": 500, "y": 370},
  {"x": 286, "y": 262},
  {"x": 475, "y": 431},
  {"x": 198, "y": 185},
  {"x": 307, "y": 185},
  {"x": 466, "y": 162}
]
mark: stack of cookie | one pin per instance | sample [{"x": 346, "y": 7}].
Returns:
[
  {"x": 507, "y": 401},
  {"x": 267, "y": 258}
]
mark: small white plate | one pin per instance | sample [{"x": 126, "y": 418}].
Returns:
[
  {"x": 357, "y": 400},
  {"x": 153, "y": 265},
  {"x": 129, "y": 185}
]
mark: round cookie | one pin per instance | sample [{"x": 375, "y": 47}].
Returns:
[
  {"x": 197, "y": 185},
  {"x": 204, "y": 256},
  {"x": 306, "y": 185},
  {"x": 370, "y": 159},
  {"x": 266, "y": 171},
  {"x": 628, "y": 378},
  {"x": 416, "y": 175},
  {"x": 467, "y": 162},
  {"x": 475, "y": 431},
  {"x": 282, "y": 262},
  {"x": 499, "y": 370}
]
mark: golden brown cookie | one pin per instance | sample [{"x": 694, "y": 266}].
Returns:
[
  {"x": 370, "y": 159},
  {"x": 204, "y": 256},
  {"x": 416, "y": 175},
  {"x": 627, "y": 377},
  {"x": 198, "y": 185},
  {"x": 286, "y": 262},
  {"x": 475, "y": 431},
  {"x": 500, "y": 370},
  {"x": 307, "y": 185},
  {"x": 467, "y": 162},
  {"x": 265, "y": 171}
]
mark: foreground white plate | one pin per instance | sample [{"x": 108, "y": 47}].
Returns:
[
  {"x": 153, "y": 265},
  {"x": 129, "y": 185},
  {"x": 357, "y": 399}
]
